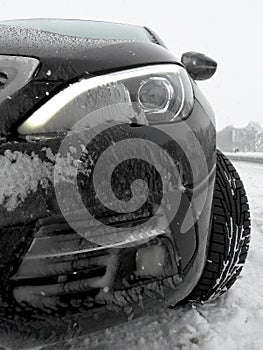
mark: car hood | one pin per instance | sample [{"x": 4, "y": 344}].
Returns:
[{"x": 65, "y": 57}]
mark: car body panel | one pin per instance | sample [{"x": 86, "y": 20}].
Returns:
[
  {"x": 47, "y": 149},
  {"x": 31, "y": 220}
]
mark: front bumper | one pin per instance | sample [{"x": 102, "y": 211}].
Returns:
[
  {"x": 32, "y": 326},
  {"x": 32, "y": 288},
  {"x": 63, "y": 271}
]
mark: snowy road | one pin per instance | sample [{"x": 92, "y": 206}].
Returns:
[{"x": 233, "y": 322}]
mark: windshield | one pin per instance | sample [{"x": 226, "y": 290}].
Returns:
[{"x": 85, "y": 29}]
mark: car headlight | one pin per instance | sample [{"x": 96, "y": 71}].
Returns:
[
  {"x": 162, "y": 93},
  {"x": 155, "y": 94}
]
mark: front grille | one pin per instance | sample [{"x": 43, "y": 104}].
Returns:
[{"x": 62, "y": 267}]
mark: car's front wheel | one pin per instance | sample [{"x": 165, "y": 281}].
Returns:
[{"x": 229, "y": 236}]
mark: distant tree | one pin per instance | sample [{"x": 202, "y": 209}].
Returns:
[
  {"x": 259, "y": 141},
  {"x": 250, "y": 134},
  {"x": 247, "y": 139}
]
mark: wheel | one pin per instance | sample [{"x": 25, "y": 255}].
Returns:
[{"x": 229, "y": 236}]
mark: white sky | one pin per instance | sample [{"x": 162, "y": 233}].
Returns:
[{"x": 230, "y": 31}]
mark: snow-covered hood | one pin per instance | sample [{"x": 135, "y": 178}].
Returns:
[{"x": 67, "y": 57}]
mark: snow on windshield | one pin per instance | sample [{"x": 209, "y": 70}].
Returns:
[{"x": 84, "y": 29}]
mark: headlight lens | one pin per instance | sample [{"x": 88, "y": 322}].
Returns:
[
  {"x": 155, "y": 95},
  {"x": 162, "y": 93}
]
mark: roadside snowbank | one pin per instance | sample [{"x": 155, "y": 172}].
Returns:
[{"x": 256, "y": 157}]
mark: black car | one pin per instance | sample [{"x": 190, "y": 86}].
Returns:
[{"x": 114, "y": 200}]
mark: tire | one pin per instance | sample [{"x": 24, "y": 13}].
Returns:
[{"x": 229, "y": 236}]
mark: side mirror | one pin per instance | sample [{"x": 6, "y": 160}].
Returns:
[{"x": 199, "y": 66}]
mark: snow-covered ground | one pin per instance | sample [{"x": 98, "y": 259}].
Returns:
[
  {"x": 254, "y": 155},
  {"x": 246, "y": 156},
  {"x": 232, "y": 322}
]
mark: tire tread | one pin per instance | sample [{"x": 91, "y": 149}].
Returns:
[{"x": 229, "y": 236}]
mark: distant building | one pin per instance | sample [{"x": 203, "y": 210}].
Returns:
[
  {"x": 225, "y": 139},
  {"x": 247, "y": 139}
]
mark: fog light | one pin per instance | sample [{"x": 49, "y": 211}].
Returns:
[
  {"x": 155, "y": 94},
  {"x": 150, "y": 261}
]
